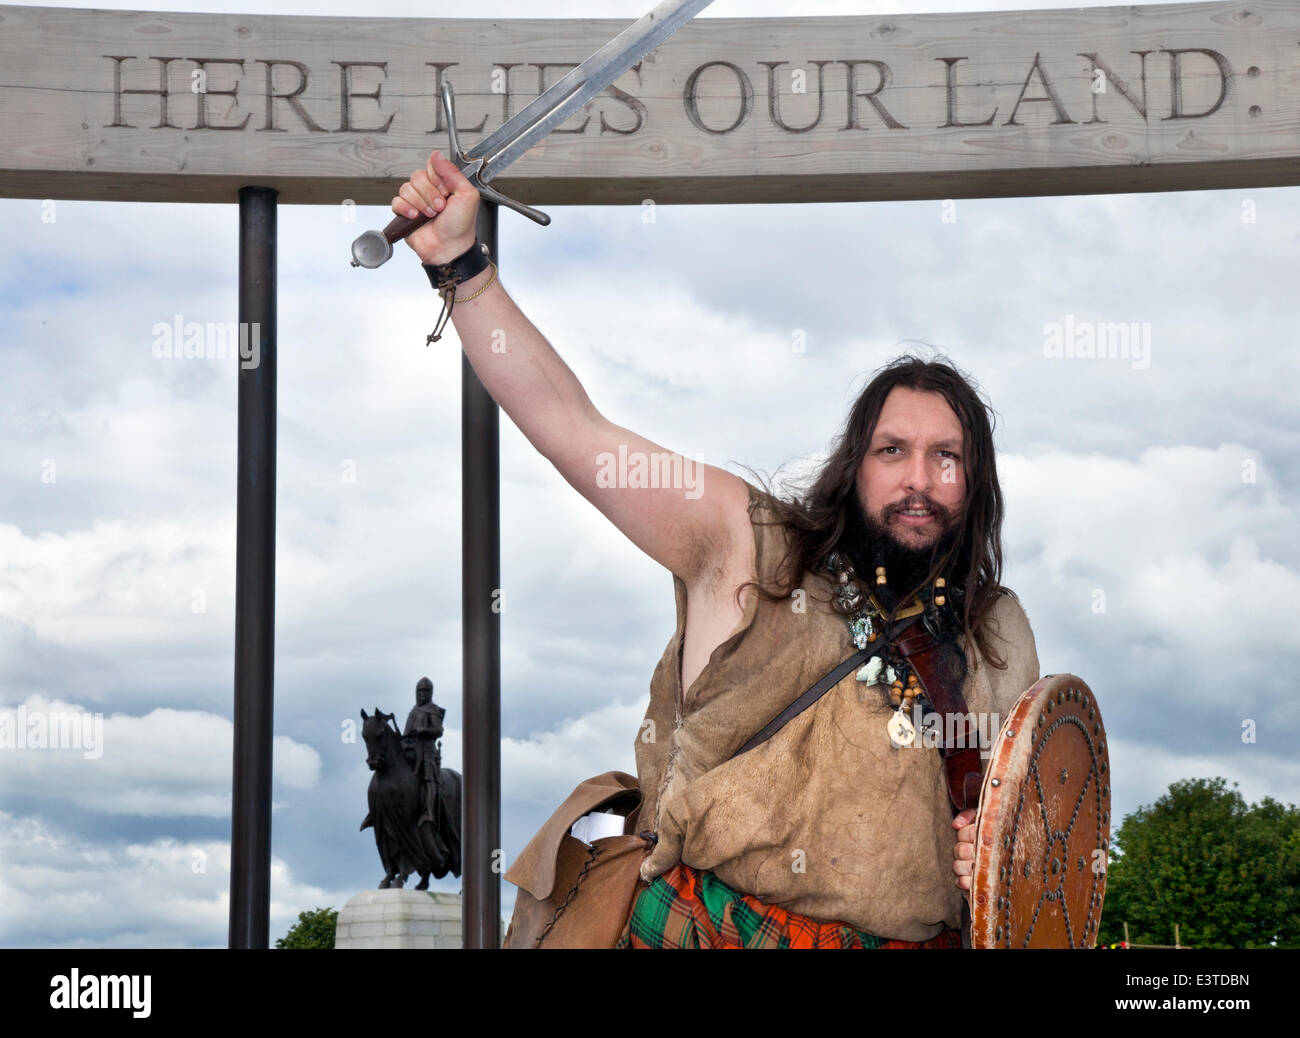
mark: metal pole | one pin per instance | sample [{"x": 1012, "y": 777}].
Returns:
[
  {"x": 250, "y": 820},
  {"x": 481, "y": 634}
]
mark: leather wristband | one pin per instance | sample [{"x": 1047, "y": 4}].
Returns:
[
  {"x": 473, "y": 260},
  {"x": 446, "y": 276}
]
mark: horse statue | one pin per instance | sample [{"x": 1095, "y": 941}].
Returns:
[{"x": 400, "y": 807}]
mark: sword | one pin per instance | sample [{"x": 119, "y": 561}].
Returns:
[{"x": 534, "y": 121}]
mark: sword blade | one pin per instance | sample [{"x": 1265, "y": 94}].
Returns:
[{"x": 541, "y": 115}]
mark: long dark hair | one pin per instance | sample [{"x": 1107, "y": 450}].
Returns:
[{"x": 818, "y": 514}]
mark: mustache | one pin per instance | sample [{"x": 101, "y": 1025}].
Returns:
[{"x": 918, "y": 502}]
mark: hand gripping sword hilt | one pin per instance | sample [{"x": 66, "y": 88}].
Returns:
[
  {"x": 473, "y": 167},
  {"x": 374, "y": 248}
]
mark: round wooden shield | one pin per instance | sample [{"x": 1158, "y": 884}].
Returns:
[{"x": 1042, "y": 832}]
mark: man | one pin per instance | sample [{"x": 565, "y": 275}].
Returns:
[
  {"x": 422, "y": 732},
  {"x": 832, "y": 833}
]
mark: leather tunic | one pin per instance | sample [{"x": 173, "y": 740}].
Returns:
[{"x": 826, "y": 819}]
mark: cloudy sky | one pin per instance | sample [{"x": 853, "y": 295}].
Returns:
[{"x": 1169, "y": 487}]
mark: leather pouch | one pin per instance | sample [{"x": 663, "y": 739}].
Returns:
[{"x": 572, "y": 895}]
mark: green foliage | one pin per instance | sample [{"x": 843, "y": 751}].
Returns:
[
  {"x": 313, "y": 929},
  {"x": 1227, "y": 874}
]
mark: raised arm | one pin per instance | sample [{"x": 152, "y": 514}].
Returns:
[{"x": 690, "y": 522}]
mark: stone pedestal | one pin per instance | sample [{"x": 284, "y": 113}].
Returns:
[{"x": 400, "y": 919}]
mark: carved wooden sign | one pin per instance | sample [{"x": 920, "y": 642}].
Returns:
[{"x": 144, "y": 106}]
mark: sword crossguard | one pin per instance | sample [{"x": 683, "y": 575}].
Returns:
[
  {"x": 473, "y": 167},
  {"x": 374, "y": 248}
]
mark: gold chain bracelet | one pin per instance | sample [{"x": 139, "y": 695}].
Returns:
[{"x": 466, "y": 299}]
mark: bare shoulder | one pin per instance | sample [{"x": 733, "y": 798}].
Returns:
[{"x": 725, "y": 557}]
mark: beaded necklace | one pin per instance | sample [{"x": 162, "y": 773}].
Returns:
[{"x": 866, "y": 620}]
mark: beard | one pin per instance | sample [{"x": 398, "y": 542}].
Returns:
[{"x": 869, "y": 544}]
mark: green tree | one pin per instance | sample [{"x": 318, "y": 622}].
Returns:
[
  {"x": 1226, "y": 873},
  {"x": 313, "y": 929}
]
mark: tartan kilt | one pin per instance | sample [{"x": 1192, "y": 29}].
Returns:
[{"x": 689, "y": 908}]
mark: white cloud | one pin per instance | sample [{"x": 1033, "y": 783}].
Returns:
[
  {"x": 1143, "y": 770},
  {"x": 1175, "y": 539},
  {"x": 120, "y": 583},
  {"x": 61, "y": 890},
  {"x": 544, "y": 768},
  {"x": 166, "y": 763}
]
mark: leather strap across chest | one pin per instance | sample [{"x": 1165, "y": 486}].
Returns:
[{"x": 959, "y": 743}]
